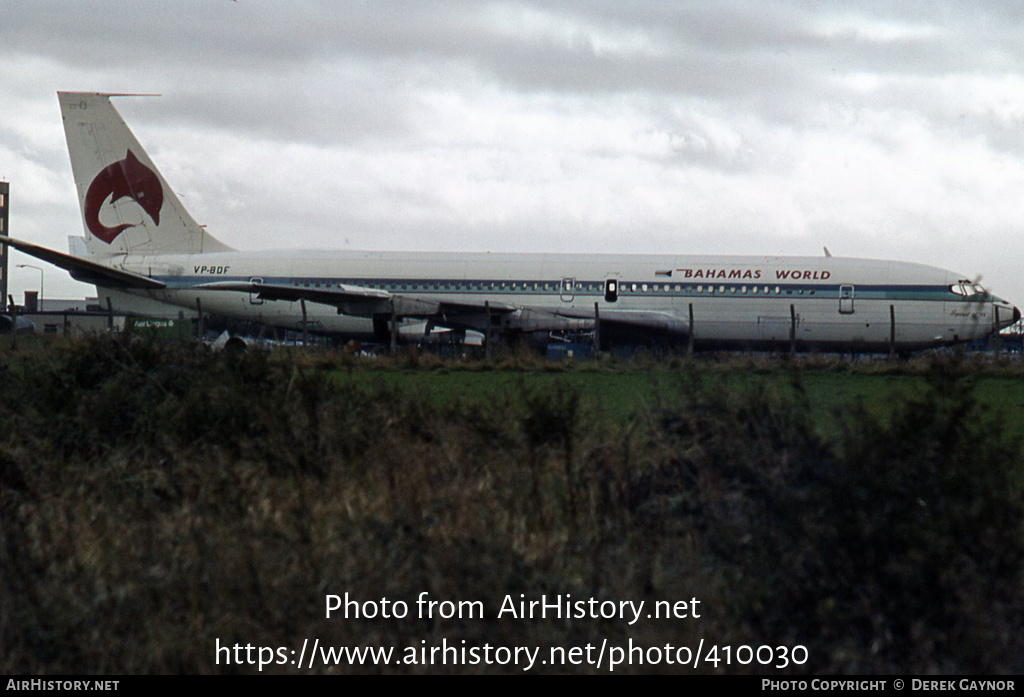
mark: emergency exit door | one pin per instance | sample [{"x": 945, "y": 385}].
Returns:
[{"x": 846, "y": 294}]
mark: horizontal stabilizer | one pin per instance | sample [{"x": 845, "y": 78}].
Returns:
[{"x": 83, "y": 269}]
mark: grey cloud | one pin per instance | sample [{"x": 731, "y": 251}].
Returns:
[{"x": 741, "y": 104}]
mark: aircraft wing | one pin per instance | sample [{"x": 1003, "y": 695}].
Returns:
[
  {"x": 367, "y": 302},
  {"x": 358, "y": 301},
  {"x": 83, "y": 269}
]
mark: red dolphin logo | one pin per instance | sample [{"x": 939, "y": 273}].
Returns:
[{"x": 125, "y": 178}]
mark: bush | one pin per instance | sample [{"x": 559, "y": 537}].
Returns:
[
  {"x": 155, "y": 499},
  {"x": 899, "y": 544}
]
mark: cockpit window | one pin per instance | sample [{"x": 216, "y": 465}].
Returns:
[{"x": 965, "y": 288}]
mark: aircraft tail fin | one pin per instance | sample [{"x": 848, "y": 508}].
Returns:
[{"x": 126, "y": 206}]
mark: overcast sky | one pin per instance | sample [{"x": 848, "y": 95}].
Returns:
[{"x": 880, "y": 129}]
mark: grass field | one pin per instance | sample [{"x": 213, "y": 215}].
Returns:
[
  {"x": 156, "y": 499},
  {"x": 621, "y": 395}
]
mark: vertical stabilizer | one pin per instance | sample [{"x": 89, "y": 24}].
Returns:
[{"x": 127, "y": 207}]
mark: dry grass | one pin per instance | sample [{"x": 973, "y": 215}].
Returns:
[{"x": 157, "y": 498}]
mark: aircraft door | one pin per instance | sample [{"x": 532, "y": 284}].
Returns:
[
  {"x": 846, "y": 294},
  {"x": 611, "y": 290},
  {"x": 567, "y": 289},
  {"x": 254, "y": 298}
]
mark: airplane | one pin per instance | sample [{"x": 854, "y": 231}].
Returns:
[{"x": 141, "y": 245}]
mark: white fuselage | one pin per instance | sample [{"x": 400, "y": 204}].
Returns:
[{"x": 816, "y": 302}]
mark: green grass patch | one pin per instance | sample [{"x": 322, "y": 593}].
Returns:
[
  {"x": 621, "y": 396},
  {"x": 156, "y": 499}
]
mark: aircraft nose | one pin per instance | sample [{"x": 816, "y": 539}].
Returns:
[{"x": 1016, "y": 314}]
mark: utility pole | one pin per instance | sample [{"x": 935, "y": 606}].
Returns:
[
  {"x": 487, "y": 334},
  {"x": 5, "y": 207},
  {"x": 305, "y": 324}
]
